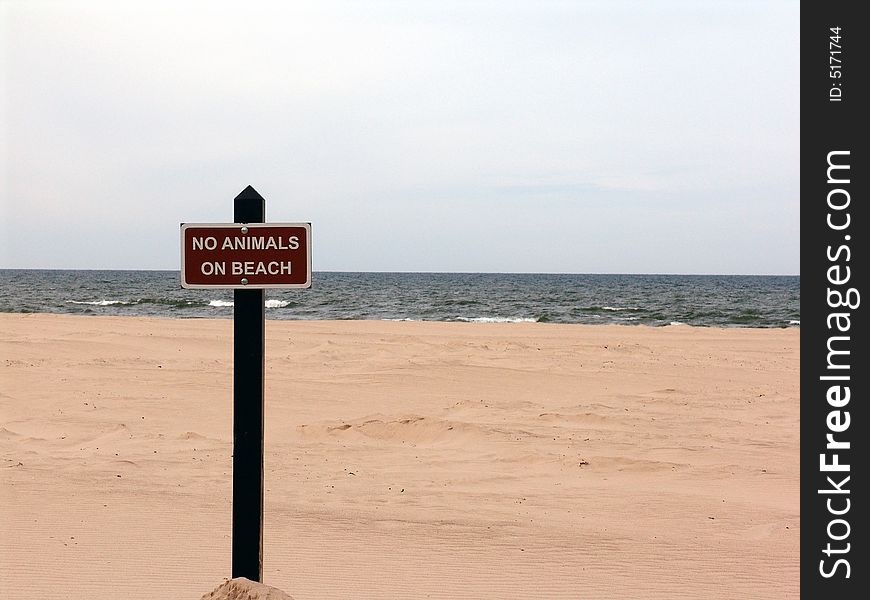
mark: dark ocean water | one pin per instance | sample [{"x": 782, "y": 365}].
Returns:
[{"x": 705, "y": 300}]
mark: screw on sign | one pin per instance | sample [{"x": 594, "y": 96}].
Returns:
[{"x": 247, "y": 256}]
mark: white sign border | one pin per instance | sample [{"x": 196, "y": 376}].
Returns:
[{"x": 261, "y": 286}]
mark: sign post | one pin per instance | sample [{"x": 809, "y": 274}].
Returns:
[
  {"x": 247, "y": 256},
  {"x": 249, "y": 345}
]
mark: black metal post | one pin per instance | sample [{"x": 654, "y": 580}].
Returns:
[{"x": 249, "y": 326}]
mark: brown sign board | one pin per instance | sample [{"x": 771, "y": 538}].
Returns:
[{"x": 245, "y": 255}]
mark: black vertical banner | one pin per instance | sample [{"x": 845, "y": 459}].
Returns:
[{"x": 834, "y": 334}]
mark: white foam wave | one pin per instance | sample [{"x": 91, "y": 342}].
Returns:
[
  {"x": 794, "y": 322},
  {"x": 619, "y": 308},
  {"x": 229, "y": 303},
  {"x": 676, "y": 323},
  {"x": 99, "y": 302},
  {"x": 496, "y": 320},
  {"x": 276, "y": 303}
]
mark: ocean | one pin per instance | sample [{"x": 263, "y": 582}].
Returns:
[{"x": 700, "y": 300}]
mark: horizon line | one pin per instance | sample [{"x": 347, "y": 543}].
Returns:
[{"x": 443, "y": 272}]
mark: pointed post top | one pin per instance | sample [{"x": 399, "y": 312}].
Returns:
[
  {"x": 249, "y": 207},
  {"x": 249, "y": 193}
]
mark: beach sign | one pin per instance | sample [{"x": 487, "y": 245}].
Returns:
[{"x": 247, "y": 256}]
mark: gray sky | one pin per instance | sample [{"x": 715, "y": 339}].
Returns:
[{"x": 586, "y": 137}]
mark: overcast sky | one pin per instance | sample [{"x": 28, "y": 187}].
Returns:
[{"x": 585, "y": 137}]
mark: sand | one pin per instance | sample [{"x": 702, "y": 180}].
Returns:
[
  {"x": 245, "y": 589},
  {"x": 403, "y": 459}
]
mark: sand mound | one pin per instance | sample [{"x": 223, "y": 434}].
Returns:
[
  {"x": 245, "y": 589},
  {"x": 413, "y": 429}
]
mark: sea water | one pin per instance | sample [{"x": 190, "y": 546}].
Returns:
[{"x": 701, "y": 300}]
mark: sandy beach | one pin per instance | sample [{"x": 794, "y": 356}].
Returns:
[{"x": 403, "y": 459}]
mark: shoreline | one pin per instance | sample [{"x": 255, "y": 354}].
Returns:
[{"x": 456, "y": 322}]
